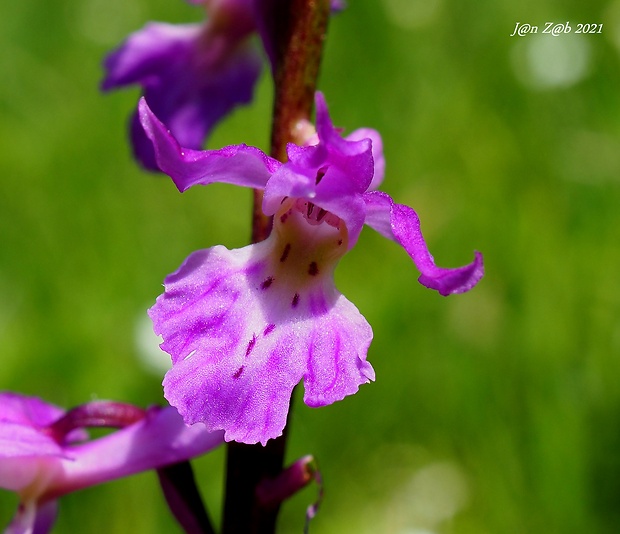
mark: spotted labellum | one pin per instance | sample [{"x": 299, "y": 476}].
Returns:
[{"x": 244, "y": 326}]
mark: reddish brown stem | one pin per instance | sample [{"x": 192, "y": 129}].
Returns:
[{"x": 299, "y": 27}]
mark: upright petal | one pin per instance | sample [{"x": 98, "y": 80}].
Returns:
[
  {"x": 377, "y": 153},
  {"x": 332, "y": 175},
  {"x": 236, "y": 164},
  {"x": 401, "y": 224},
  {"x": 354, "y": 156},
  {"x": 330, "y": 190}
]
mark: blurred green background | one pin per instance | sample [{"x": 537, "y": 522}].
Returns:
[{"x": 497, "y": 411}]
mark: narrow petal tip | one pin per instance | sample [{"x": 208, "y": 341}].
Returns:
[{"x": 454, "y": 281}]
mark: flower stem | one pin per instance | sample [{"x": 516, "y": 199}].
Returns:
[
  {"x": 181, "y": 493},
  {"x": 299, "y": 28},
  {"x": 298, "y": 57}
]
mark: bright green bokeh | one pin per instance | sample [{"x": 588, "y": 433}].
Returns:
[{"x": 497, "y": 411}]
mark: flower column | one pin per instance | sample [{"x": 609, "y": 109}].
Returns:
[{"x": 293, "y": 32}]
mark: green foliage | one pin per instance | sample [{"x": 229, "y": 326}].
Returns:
[{"x": 496, "y": 411}]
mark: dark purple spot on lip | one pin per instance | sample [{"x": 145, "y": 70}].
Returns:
[
  {"x": 321, "y": 214},
  {"x": 283, "y": 200},
  {"x": 313, "y": 269},
  {"x": 285, "y": 252},
  {"x": 339, "y": 242},
  {"x": 268, "y": 329},
  {"x": 267, "y": 282},
  {"x": 251, "y": 344},
  {"x": 295, "y": 300},
  {"x": 310, "y": 208},
  {"x": 239, "y": 372},
  {"x": 284, "y": 217}
]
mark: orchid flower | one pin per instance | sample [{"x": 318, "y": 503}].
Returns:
[
  {"x": 44, "y": 452},
  {"x": 244, "y": 326},
  {"x": 192, "y": 75}
]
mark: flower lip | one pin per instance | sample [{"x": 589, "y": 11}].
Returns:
[{"x": 256, "y": 321}]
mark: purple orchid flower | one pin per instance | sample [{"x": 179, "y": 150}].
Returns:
[
  {"x": 192, "y": 75},
  {"x": 244, "y": 326},
  {"x": 44, "y": 453}
]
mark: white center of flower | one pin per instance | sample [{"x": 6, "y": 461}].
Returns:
[
  {"x": 297, "y": 277},
  {"x": 306, "y": 244},
  {"x": 312, "y": 239},
  {"x": 315, "y": 215}
]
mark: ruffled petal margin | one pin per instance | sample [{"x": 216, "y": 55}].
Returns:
[
  {"x": 241, "y": 165},
  {"x": 401, "y": 224},
  {"x": 241, "y": 339}
]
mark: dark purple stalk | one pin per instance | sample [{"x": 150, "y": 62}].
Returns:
[
  {"x": 299, "y": 28},
  {"x": 183, "y": 498}
]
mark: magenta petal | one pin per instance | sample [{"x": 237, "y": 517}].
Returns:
[
  {"x": 337, "y": 350},
  {"x": 332, "y": 175},
  {"x": 353, "y": 156},
  {"x": 236, "y": 164},
  {"x": 160, "y": 439},
  {"x": 191, "y": 108},
  {"x": 148, "y": 53},
  {"x": 40, "y": 469},
  {"x": 30, "y": 411},
  {"x": 241, "y": 339},
  {"x": 401, "y": 224},
  {"x": 21, "y": 421},
  {"x": 377, "y": 153},
  {"x": 27, "y": 452},
  {"x": 231, "y": 370},
  {"x": 192, "y": 75}
]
